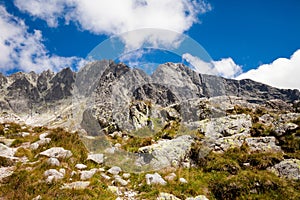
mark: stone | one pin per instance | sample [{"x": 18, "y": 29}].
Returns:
[
  {"x": 282, "y": 129},
  {"x": 121, "y": 181},
  {"x": 25, "y": 134},
  {"x": 262, "y": 144},
  {"x": 6, "y": 151},
  {"x": 166, "y": 196},
  {"x": 170, "y": 177},
  {"x": 183, "y": 180},
  {"x": 39, "y": 197},
  {"x": 126, "y": 175},
  {"x": 80, "y": 166},
  {"x": 5, "y": 141},
  {"x": 57, "y": 152},
  {"x": 289, "y": 168},
  {"x": 106, "y": 177},
  {"x": 97, "y": 158},
  {"x": 6, "y": 172},
  {"x": 155, "y": 179},
  {"x": 43, "y": 136},
  {"x": 114, "y": 170},
  {"x": 167, "y": 153},
  {"x": 78, "y": 185},
  {"x": 114, "y": 190},
  {"x": 53, "y": 162},
  {"x": 200, "y": 197},
  {"x": 39, "y": 143},
  {"x": 54, "y": 175},
  {"x": 87, "y": 174}
]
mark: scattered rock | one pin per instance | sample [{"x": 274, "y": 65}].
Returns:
[
  {"x": 170, "y": 177},
  {"x": 167, "y": 153},
  {"x": 87, "y": 174},
  {"x": 281, "y": 129},
  {"x": 54, "y": 175},
  {"x": 97, "y": 158},
  {"x": 115, "y": 170},
  {"x": 166, "y": 196},
  {"x": 5, "y": 141},
  {"x": 80, "y": 166},
  {"x": 6, "y": 172},
  {"x": 57, "y": 152},
  {"x": 114, "y": 190},
  {"x": 25, "y": 134},
  {"x": 183, "y": 180},
  {"x": 53, "y": 162},
  {"x": 106, "y": 177},
  {"x": 200, "y": 197},
  {"x": 126, "y": 175},
  {"x": 6, "y": 151},
  {"x": 289, "y": 168},
  {"x": 155, "y": 179},
  {"x": 262, "y": 144},
  {"x": 78, "y": 185},
  {"x": 39, "y": 197},
  {"x": 121, "y": 181}
]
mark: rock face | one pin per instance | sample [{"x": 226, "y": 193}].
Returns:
[{"x": 30, "y": 92}]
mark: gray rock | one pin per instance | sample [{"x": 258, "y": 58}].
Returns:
[
  {"x": 57, "y": 152},
  {"x": 289, "y": 168},
  {"x": 155, "y": 179},
  {"x": 115, "y": 170},
  {"x": 6, "y": 172},
  {"x": 167, "y": 153},
  {"x": 53, "y": 162},
  {"x": 262, "y": 144},
  {"x": 183, "y": 180},
  {"x": 87, "y": 174},
  {"x": 200, "y": 197},
  {"x": 170, "y": 177},
  {"x": 78, "y": 185},
  {"x": 6, "y": 151},
  {"x": 97, "y": 158},
  {"x": 282, "y": 129},
  {"x": 80, "y": 166},
  {"x": 54, "y": 175},
  {"x": 166, "y": 196},
  {"x": 39, "y": 197},
  {"x": 39, "y": 143},
  {"x": 106, "y": 177},
  {"x": 121, "y": 181}
]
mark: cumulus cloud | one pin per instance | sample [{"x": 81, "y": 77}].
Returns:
[
  {"x": 282, "y": 73},
  {"x": 225, "y": 67},
  {"x": 25, "y": 51},
  {"x": 119, "y": 16}
]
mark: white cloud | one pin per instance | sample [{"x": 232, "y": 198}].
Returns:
[
  {"x": 226, "y": 67},
  {"x": 282, "y": 73},
  {"x": 120, "y": 16},
  {"x": 25, "y": 51}
]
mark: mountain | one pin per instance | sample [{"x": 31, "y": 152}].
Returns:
[
  {"x": 111, "y": 91},
  {"x": 97, "y": 133}
]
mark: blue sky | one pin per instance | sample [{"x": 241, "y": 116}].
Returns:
[{"x": 257, "y": 39}]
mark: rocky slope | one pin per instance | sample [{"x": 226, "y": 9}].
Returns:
[{"x": 109, "y": 131}]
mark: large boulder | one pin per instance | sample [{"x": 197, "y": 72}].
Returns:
[
  {"x": 167, "y": 153},
  {"x": 57, "y": 152},
  {"x": 262, "y": 144},
  {"x": 289, "y": 168}
]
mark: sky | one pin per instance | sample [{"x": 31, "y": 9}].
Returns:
[{"x": 256, "y": 39}]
